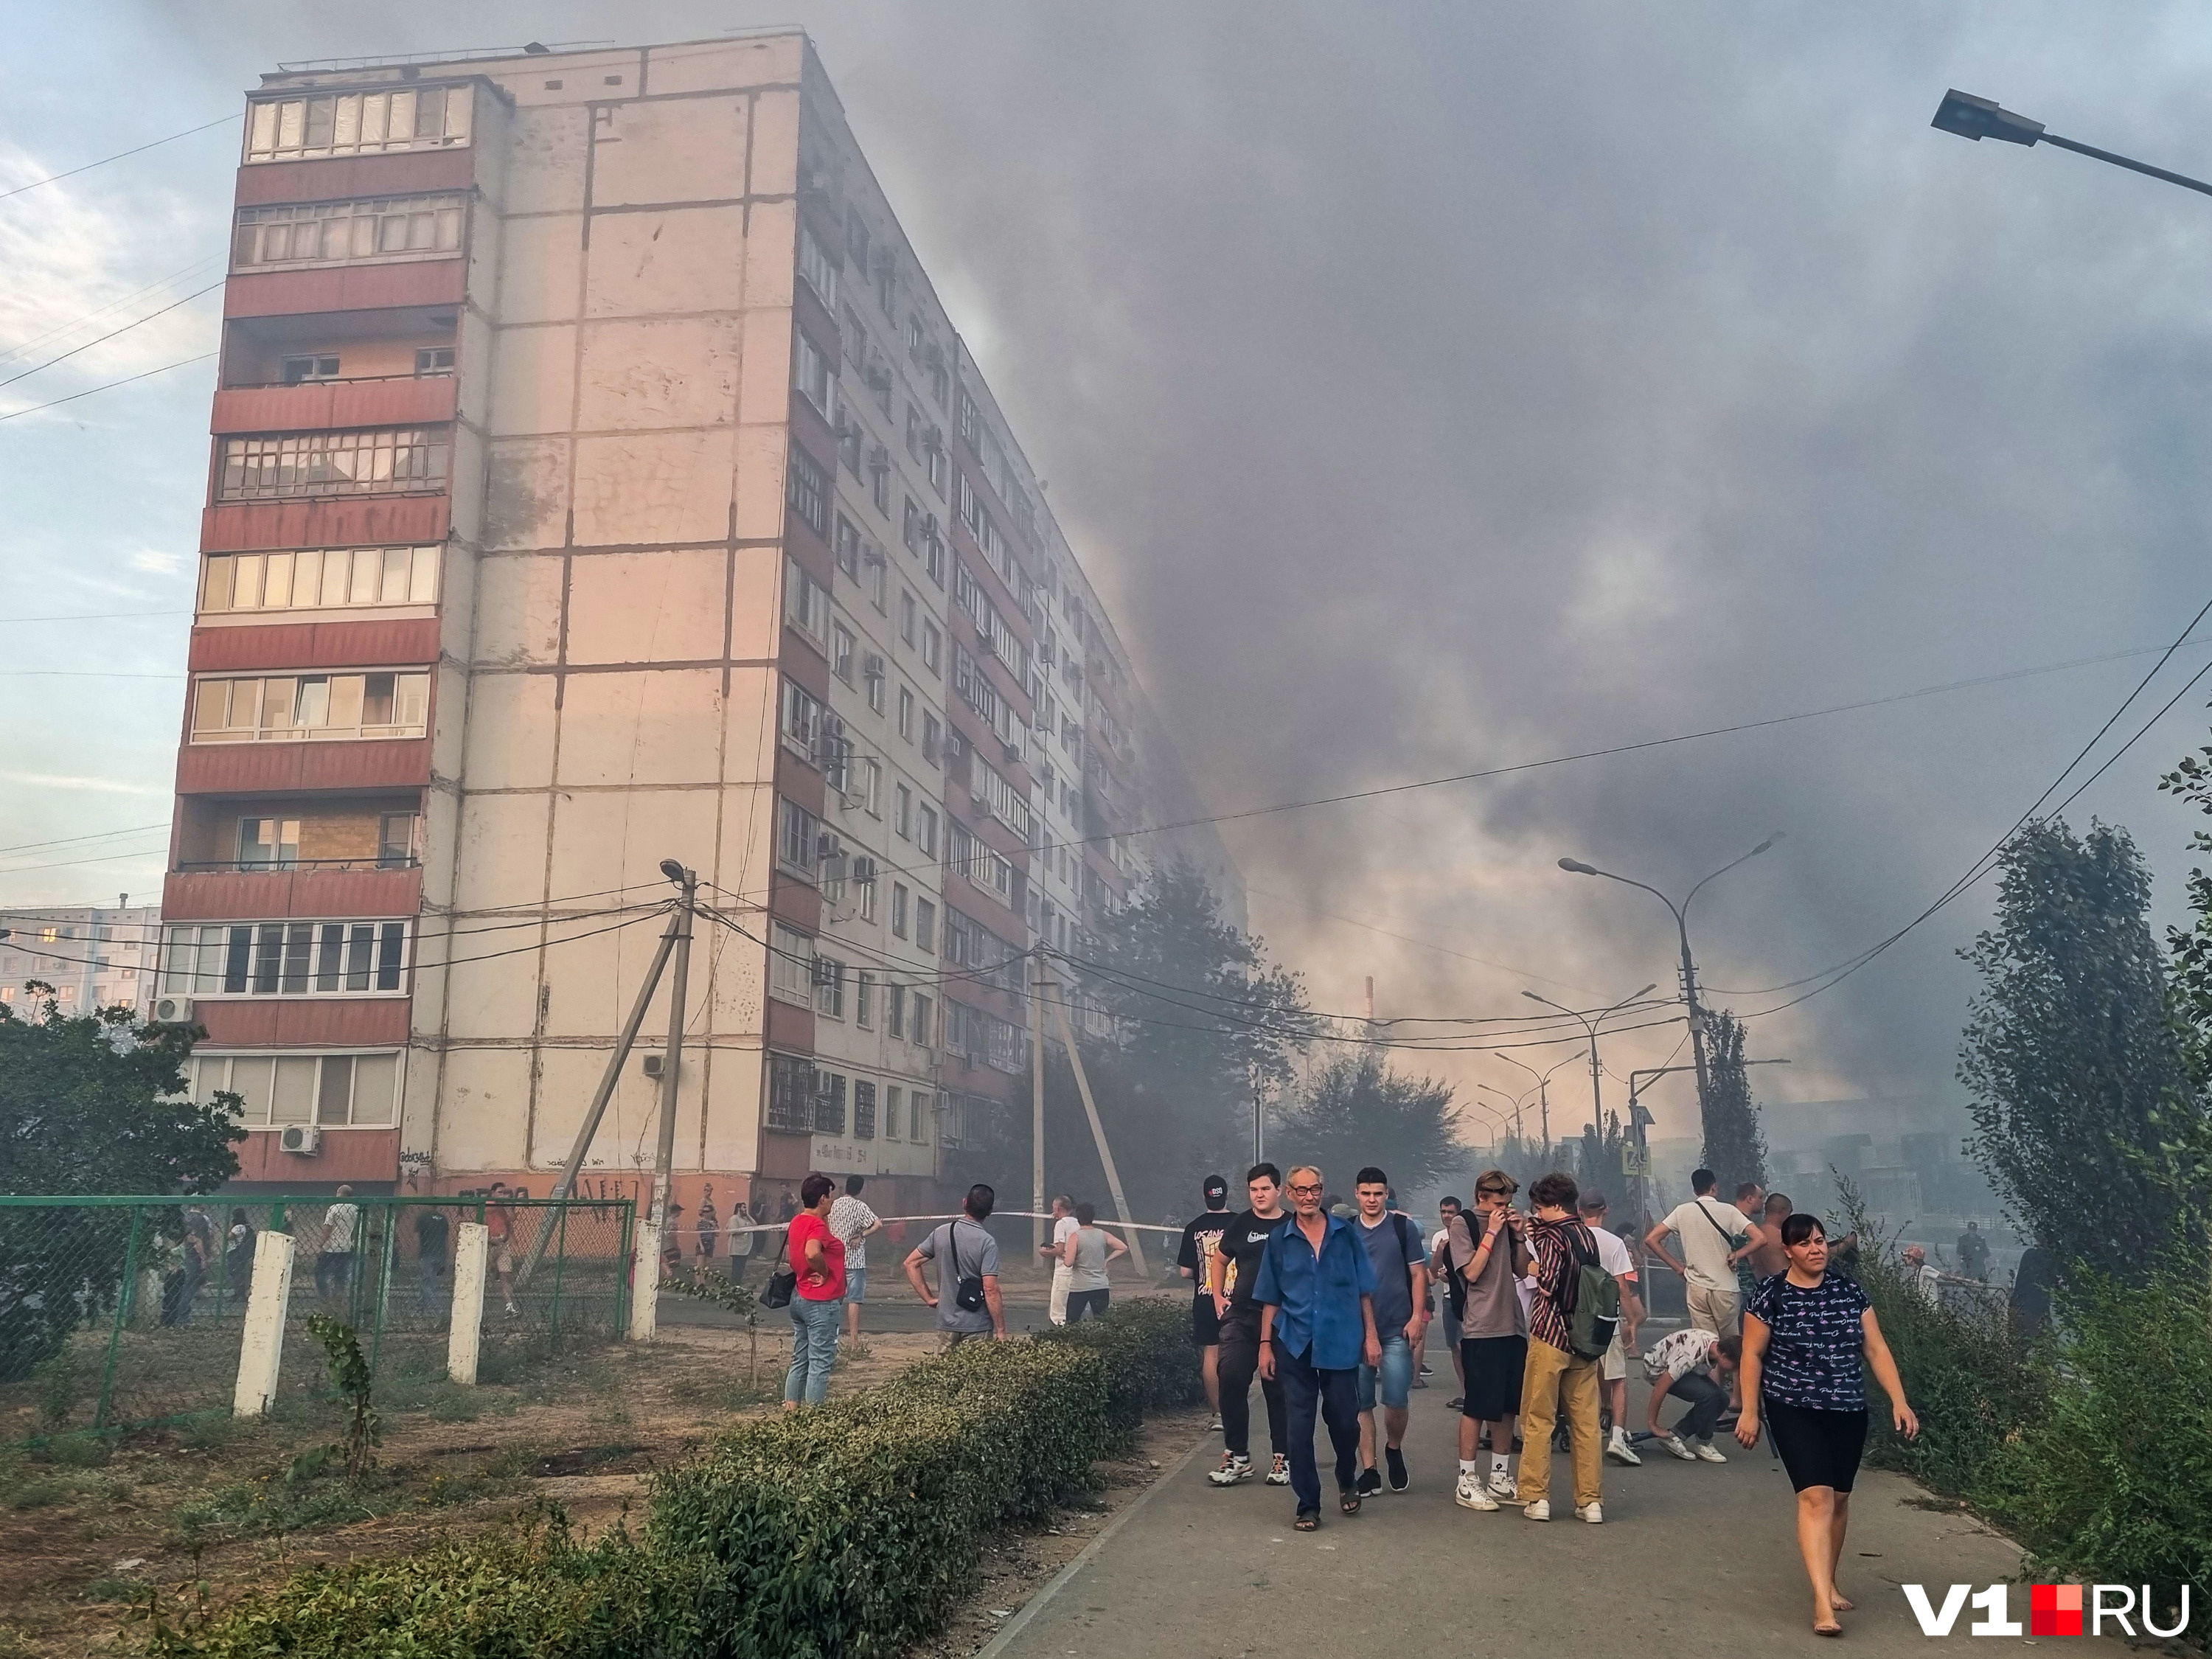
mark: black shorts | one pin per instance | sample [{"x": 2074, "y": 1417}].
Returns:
[
  {"x": 1493, "y": 1365},
  {"x": 1819, "y": 1449},
  {"x": 1205, "y": 1326}
]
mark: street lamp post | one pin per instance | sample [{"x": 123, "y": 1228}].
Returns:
[
  {"x": 1540, "y": 1089},
  {"x": 1681, "y": 913},
  {"x": 1977, "y": 118},
  {"x": 1589, "y": 1024}
]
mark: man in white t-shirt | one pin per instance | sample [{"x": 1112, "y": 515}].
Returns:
[
  {"x": 850, "y": 1222},
  {"x": 1613, "y": 1370},
  {"x": 1063, "y": 1224},
  {"x": 1714, "y": 1237}
]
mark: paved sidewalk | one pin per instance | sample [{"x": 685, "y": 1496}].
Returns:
[{"x": 1692, "y": 1559}]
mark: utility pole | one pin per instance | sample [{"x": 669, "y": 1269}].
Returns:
[
  {"x": 664, "y": 1159},
  {"x": 1098, "y": 1134},
  {"x": 1037, "y": 1103}
]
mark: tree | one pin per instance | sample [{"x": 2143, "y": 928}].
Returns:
[
  {"x": 2081, "y": 1093},
  {"x": 1735, "y": 1148},
  {"x": 1597, "y": 1158},
  {"x": 90, "y": 1105},
  {"x": 1356, "y": 1111}
]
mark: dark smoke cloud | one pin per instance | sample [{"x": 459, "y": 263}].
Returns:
[{"x": 1434, "y": 387}]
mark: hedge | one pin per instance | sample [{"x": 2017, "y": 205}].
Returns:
[{"x": 845, "y": 1531}]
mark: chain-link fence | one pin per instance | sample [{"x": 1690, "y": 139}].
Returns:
[{"x": 123, "y": 1312}]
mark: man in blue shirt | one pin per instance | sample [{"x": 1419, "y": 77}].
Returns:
[{"x": 1316, "y": 1291}]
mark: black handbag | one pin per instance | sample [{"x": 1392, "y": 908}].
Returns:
[{"x": 782, "y": 1284}]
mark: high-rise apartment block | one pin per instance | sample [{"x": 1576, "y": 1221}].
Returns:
[
  {"x": 597, "y": 479},
  {"x": 93, "y": 957}
]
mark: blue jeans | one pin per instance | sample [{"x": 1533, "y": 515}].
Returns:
[
  {"x": 814, "y": 1328},
  {"x": 1397, "y": 1375},
  {"x": 1305, "y": 1386}
]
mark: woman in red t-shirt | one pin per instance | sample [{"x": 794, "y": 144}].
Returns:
[{"x": 817, "y": 1304}]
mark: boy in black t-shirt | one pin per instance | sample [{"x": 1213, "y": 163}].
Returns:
[
  {"x": 1235, "y": 1273},
  {"x": 1196, "y": 1258}
]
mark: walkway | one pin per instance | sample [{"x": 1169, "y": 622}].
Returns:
[{"x": 1692, "y": 1559}]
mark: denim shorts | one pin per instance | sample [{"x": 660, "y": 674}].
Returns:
[
  {"x": 856, "y": 1282},
  {"x": 1397, "y": 1375}
]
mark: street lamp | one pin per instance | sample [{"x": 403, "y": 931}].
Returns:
[
  {"x": 1977, "y": 118},
  {"x": 1589, "y": 1024},
  {"x": 1681, "y": 913},
  {"x": 1540, "y": 1088}
]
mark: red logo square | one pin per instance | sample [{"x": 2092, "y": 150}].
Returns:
[{"x": 2054, "y": 1609}]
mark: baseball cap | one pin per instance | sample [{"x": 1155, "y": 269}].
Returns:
[{"x": 1216, "y": 1187}]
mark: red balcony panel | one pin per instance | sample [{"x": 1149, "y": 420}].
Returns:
[
  {"x": 345, "y": 287},
  {"x": 801, "y": 782},
  {"x": 806, "y": 665},
  {"x": 257, "y": 769},
  {"x": 793, "y": 902},
  {"x": 330, "y": 406},
  {"x": 389, "y": 643},
  {"x": 341, "y": 178},
  {"x": 337, "y": 521},
  {"x": 305, "y": 1022},
  {"x": 362, "y": 1157},
  {"x": 262, "y": 895},
  {"x": 790, "y": 1029}
]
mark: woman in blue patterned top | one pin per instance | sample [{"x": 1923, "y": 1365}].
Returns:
[{"x": 1808, "y": 1337}]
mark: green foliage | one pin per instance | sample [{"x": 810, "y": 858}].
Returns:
[
  {"x": 843, "y": 1530},
  {"x": 1597, "y": 1166},
  {"x": 1735, "y": 1146},
  {"x": 1356, "y": 1111},
  {"x": 85, "y": 1108},
  {"x": 2082, "y": 1104},
  {"x": 352, "y": 1376}
]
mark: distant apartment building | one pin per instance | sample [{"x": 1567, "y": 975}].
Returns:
[
  {"x": 597, "y": 479},
  {"x": 93, "y": 957}
]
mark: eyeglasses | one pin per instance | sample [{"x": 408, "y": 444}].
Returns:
[{"x": 1296, "y": 1189}]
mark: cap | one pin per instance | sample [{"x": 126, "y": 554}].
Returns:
[{"x": 1216, "y": 1187}]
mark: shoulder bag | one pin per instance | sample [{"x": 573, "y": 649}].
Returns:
[{"x": 783, "y": 1282}]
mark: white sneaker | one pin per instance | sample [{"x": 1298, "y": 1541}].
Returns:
[
  {"x": 1502, "y": 1486},
  {"x": 1593, "y": 1513},
  {"x": 1538, "y": 1509},
  {"x": 1676, "y": 1447},
  {"x": 1620, "y": 1451},
  {"x": 1215, "y": 1427},
  {"x": 1233, "y": 1470},
  {"x": 1469, "y": 1494},
  {"x": 1708, "y": 1453},
  {"x": 1280, "y": 1474}
]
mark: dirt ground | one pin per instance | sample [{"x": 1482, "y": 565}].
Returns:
[{"x": 85, "y": 1527}]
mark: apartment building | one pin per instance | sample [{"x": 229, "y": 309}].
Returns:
[
  {"x": 93, "y": 957},
  {"x": 598, "y": 479}
]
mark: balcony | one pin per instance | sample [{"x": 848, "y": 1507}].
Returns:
[
  {"x": 212, "y": 891},
  {"x": 369, "y": 400}
]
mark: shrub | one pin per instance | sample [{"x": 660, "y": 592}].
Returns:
[{"x": 1151, "y": 1363}]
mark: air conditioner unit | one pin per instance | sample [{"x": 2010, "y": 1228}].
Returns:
[
  {"x": 655, "y": 1065},
  {"x": 172, "y": 1011},
  {"x": 863, "y": 871},
  {"x": 827, "y": 845},
  {"x": 872, "y": 666},
  {"x": 825, "y": 971},
  {"x": 1013, "y": 752},
  {"x": 305, "y": 1138}
]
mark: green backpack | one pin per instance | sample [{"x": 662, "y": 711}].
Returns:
[{"x": 1595, "y": 1315}]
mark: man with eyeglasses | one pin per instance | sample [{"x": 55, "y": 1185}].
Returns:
[
  {"x": 1232, "y": 1274},
  {"x": 1317, "y": 1296}
]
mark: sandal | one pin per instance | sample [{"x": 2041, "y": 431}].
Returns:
[
  {"x": 1348, "y": 1501},
  {"x": 1308, "y": 1520}
]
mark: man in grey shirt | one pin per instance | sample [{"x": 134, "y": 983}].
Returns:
[{"x": 962, "y": 1248}]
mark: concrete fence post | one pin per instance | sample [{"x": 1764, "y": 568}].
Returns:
[
  {"x": 645, "y": 1283},
  {"x": 261, "y": 1344},
  {"x": 472, "y": 1245}
]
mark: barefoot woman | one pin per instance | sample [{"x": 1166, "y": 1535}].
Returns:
[{"x": 1804, "y": 1334}]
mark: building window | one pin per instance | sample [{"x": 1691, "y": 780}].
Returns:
[
  {"x": 970, "y": 418},
  {"x": 850, "y": 436},
  {"x": 356, "y": 1090},
  {"x": 847, "y": 547},
  {"x": 874, "y": 677},
  {"x": 840, "y": 652},
  {"x": 891, "y": 1097},
  {"x": 432, "y": 362},
  {"x": 856, "y": 238},
  {"x": 977, "y": 861},
  {"x": 932, "y": 734},
  {"x": 387, "y": 461},
  {"x": 1000, "y": 797},
  {"x": 926, "y": 830},
  {"x": 879, "y": 479},
  {"x": 300, "y": 371},
  {"x": 357, "y": 123},
  {"x": 808, "y": 492},
  {"x": 797, "y": 839},
  {"x": 920, "y": 1030},
  {"x": 341, "y": 233},
  {"x": 907, "y": 614},
  {"x": 803, "y": 722},
  {"x": 284, "y": 959},
  {"x": 871, "y": 788},
  {"x": 791, "y": 1091},
  {"x": 932, "y": 648},
  {"x": 829, "y": 987},
  {"x": 818, "y": 268},
  {"x": 320, "y": 578},
  {"x": 898, "y": 910},
  {"x": 918, "y": 1116},
  {"x": 268, "y": 843},
  {"x": 867, "y": 901},
  {"x": 878, "y": 579},
  {"x": 902, "y": 811},
  {"x": 790, "y": 965},
  {"x": 864, "y": 1109},
  {"x": 290, "y": 708},
  {"x": 398, "y": 841},
  {"x": 864, "y": 999},
  {"x": 811, "y": 371},
  {"x": 806, "y": 602},
  {"x": 925, "y": 933},
  {"x": 828, "y": 1103}
]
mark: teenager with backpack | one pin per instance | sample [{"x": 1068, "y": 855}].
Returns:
[
  {"x": 967, "y": 1302},
  {"x": 1572, "y": 1315},
  {"x": 1400, "y": 1260}
]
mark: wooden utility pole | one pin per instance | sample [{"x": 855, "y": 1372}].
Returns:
[
  {"x": 1036, "y": 1104},
  {"x": 1098, "y": 1134}
]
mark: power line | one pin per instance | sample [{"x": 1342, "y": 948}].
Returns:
[
  {"x": 101, "y": 339},
  {"x": 92, "y": 616},
  {"x": 97, "y": 834},
  {"x": 61, "y": 330},
  {"x": 53, "y": 178},
  {"x": 110, "y": 387},
  {"x": 72, "y": 864}
]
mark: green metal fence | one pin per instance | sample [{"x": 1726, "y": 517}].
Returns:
[{"x": 120, "y": 1312}]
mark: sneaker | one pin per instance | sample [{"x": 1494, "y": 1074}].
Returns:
[
  {"x": 1279, "y": 1474},
  {"x": 1233, "y": 1470},
  {"x": 1503, "y": 1487},
  {"x": 1457, "y": 1402},
  {"x": 1677, "y": 1447},
  {"x": 1619, "y": 1451},
  {"x": 1469, "y": 1494},
  {"x": 1214, "y": 1427},
  {"x": 1708, "y": 1453},
  {"x": 1397, "y": 1461},
  {"x": 1593, "y": 1513},
  {"x": 1425, "y": 1370},
  {"x": 1370, "y": 1482},
  {"x": 1538, "y": 1509}
]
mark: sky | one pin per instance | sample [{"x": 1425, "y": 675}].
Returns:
[{"x": 1429, "y": 389}]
